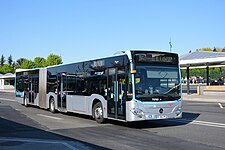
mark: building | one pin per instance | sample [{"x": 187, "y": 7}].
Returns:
[
  {"x": 203, "y": 59},
  {"x": 7, "y": 81}
]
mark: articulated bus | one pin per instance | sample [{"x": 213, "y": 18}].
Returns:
[{"x": 133, "y": 85}]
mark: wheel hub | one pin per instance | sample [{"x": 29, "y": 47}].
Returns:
[{"x": 98, "y": 112}]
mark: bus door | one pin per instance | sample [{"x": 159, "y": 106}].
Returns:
[
  {"x": 26, "y": 87},
  {"x": 116, "y": 87},
  {"x": 31, "y": 91},
  {"x": 33, "y": 87},
  {"x": 61, "y": 90}
]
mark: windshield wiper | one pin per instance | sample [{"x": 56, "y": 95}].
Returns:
[{"x": 171, "y": 89}]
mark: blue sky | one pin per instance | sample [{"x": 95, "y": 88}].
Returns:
[{"x": 84, "y": 29}]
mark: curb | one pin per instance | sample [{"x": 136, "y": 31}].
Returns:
[{"x": 204, "y": 99}]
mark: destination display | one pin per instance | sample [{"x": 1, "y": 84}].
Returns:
[{"x": 156, "y": 58}]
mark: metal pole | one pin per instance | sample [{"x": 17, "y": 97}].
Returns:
[
  {"x": 188, "y": 81},
  {"x": 207, "y": 75},
  {"x": 170, "y": 43}
]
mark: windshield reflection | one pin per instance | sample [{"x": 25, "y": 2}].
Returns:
[{"x": 157, "y": 83}]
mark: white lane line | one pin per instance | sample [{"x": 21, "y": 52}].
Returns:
[
  {"x": 6, "y": 99},
  {"x": 210, "y": 125},
  {"x": 221, "y": 106},
  {"x": 203, "y": 103},
  {"x": 38, "y": 141},
  {"x": 203, "y": 123},
  {"x": 51, "y": 117}
]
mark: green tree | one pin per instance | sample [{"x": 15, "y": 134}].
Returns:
[
  {"x": 206, "y": 49},
  {"x": 10, "y": 60},
  {"x": 195, "y": 72},
  {"x": 40, "y": 62},
  {"x": 19, "y": 62},
  {"x": 27, "y": 64},
  {"x": 54, "y": 59},
  {"x": 14, "y": 65},
  {"x": 6, "y": 68},
  {"x": 2, "y": 61},
  {"x": 223, "y": 50}
]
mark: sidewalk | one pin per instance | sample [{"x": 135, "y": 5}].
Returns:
[
  {"x": 204, "y": 98},
  {"x": 7, "y": 90}
]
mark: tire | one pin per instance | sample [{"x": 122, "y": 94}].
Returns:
[
  {"x": 52, "y": 105},
  {"x": 97, "y": 112}
]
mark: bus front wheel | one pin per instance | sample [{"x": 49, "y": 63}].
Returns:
[
  {"x": 52, "y": 105},
  {"x": 98, "y": 112}
]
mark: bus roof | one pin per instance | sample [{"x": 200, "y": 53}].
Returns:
[
  {"x": 22, "y": 70},
  {"x": 118, "y": 53}
]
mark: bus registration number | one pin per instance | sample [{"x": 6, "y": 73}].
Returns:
[{"x": 156, "y": 116}]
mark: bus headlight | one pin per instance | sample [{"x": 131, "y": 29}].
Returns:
[
  {"x": 178, "y": 111},
  {"x": 137, "y": 112}
]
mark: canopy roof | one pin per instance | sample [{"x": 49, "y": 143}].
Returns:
[
  {"x": 200, "y": 59},
  {"x": 6, "y": 76}
]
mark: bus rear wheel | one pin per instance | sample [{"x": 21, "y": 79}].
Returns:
[
  {"x": 98, "y": 112},
  {"x": 52, "y": 105}
]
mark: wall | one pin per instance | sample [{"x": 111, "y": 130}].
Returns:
[{"x": 7, "y": 86}]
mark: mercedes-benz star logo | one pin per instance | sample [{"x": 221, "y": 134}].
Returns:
[{"x": 160, "y": 110}]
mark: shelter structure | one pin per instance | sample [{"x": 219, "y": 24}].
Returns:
[
  {"x": 7, "y": 81},
  {"x": 201, "y": 59}
]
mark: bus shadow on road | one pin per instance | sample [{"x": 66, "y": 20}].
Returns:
[
  {"x": 186, "y": 119},
  {"x": 15, "y": 135}
]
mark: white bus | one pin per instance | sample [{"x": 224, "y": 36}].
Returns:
[{"x": 130, "y": 86}]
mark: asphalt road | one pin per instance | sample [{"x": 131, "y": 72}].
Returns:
[{"x": 202, "y": 127}]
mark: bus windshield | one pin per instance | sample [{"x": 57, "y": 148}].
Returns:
[{"x": 157, "y": 83}]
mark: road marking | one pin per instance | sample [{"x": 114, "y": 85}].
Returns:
[
  {"x": 202, "y": 103},
  {"x": 51, "y": 117},
  {"x": 6, "y": 99},
  {"x": 221, "y": 106},
  {"x": 39, "y": 141},
  {"x": 203, "y": 123}
]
